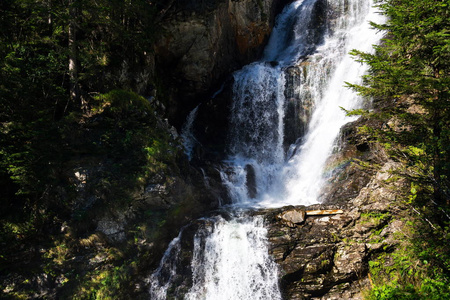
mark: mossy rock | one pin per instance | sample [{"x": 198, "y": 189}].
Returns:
[{"x": 117, "y": 101}]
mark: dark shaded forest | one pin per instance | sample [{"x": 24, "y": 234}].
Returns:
[{"x": 70, "y": 74}]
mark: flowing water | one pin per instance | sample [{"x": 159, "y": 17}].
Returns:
[
  {"x": 228, "y": 265},
  {"x": 187, "y": 134},
  {"x": 230, "y": 258}
]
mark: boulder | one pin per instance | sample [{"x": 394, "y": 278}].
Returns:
[{"x": 292, "y": 217}]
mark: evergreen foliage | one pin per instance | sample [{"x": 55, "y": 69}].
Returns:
[
  {"x": 411, "y": 70},
  {"x": 409, "y": 80},
  {"x": 43, "y": 129}
]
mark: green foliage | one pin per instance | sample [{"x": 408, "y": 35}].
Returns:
[
  {"x": 411, "y": 68},
  {"x": 377, "y": 217},
  {"x": 44, "y": 134},
  {"x": 407, "y": 273},
  {"x": 389, "y": 292},
  {"x": 409, "y": 82},
  {"x": 105, "y": 284},
  {"x": 122, "y": 101},
  {"x": 356, "y": 112}
]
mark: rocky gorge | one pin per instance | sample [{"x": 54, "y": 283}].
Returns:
[
  {"x": 130, "y": 194},
  {"x": 323, "y": 250},
  {"x": 320, "y": 256}
]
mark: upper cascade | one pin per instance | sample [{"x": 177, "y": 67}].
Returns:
[
  {"x": 297, "y": 32},
  {"x": 315, "y": 36}
]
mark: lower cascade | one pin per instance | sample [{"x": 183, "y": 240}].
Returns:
[
  {"x": 230, "y": 257},
  {"x": 231, "y": 261}
]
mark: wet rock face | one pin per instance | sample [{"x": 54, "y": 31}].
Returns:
[
  {"x": 299, "y": 102},
  {"x": 323, "y": 257},
  {"x": 251, "y": 181},
  {"x": 350, "y": 167},
  {"x": 204, "y": 41},
  {"x": 298, "y": 108}
]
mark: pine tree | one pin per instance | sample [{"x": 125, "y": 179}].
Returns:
[
  {"x": 409, "y": 81},
  {"x": 411, "y": 70}
]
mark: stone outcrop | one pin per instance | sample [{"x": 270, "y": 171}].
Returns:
[
  {"x": 292, "y": 217},
  {"x": 326, "y": 257}
]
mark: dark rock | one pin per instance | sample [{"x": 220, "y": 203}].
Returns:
[
  {"x": 274, "y": 63},
  {"x": 298, "y": 107},
  {"x": 202, "y": 42},
  {"x": 211, "y": 124},
  {"x": 251, "y": 181}
]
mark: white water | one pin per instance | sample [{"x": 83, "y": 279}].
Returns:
[
  {"x": 303, "y": 174},
  {"x": 163, "y": 278},
  {"x": 258, "y": 109},
  {"x": 231, "y": 258},
  {"x": 231, "y": 261}
]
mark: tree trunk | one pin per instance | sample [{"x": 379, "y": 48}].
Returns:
[{"x": 75, "y": 96}]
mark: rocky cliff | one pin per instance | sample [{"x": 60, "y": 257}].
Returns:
[
  {"x": 202, "y": 42},
  {"x": 323, "y": 251}
]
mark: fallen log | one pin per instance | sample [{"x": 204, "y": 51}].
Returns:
[{"x": 324, "y": 212}]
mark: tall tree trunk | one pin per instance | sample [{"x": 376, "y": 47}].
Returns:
[
  {"x": 73, "y": 70},
  {"x": 75, "y": 96}
]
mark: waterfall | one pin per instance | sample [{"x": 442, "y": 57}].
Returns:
[
  {"x": 258, "y": 110},
  {"x": 328, "y": 68},
  {"x": 187, "y": 134},
  {"x": 165, "y": 276},
  {"x": 230, "y": 259}
]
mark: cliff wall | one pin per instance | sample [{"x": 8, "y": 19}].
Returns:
[{"x": 202, "y": 42}]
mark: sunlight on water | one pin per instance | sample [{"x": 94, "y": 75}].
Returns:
[
  {"x": 231, "y": 261},
  {"x": 230, "y": 257},
  {"x": 325, "y": 68}
]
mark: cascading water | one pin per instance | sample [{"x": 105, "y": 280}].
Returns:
[
  {"x": 327, "y": 70},
  {"x": 165, "y": 276},
  {"x": 323, "y": 70},
  {"x": 189, "y": 140},
  {"x": 230, "y": 257},
  {"x": 230, "y": 262}
]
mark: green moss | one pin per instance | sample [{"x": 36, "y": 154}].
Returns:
[
  {"x": 278, "y": 233},
  {"x": 324, "y": 263},
  {"x": 377, "y": 218},
  {"x": 105, "y": 284},
  {"x": 120, "y": 100},
  {"x": 416, "y": 269}
]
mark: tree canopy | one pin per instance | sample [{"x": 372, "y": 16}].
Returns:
[
  {"x": 64, "y": 67},
  {"x": 409, "y": 73},
  {"x": 409, "y": 81}
]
